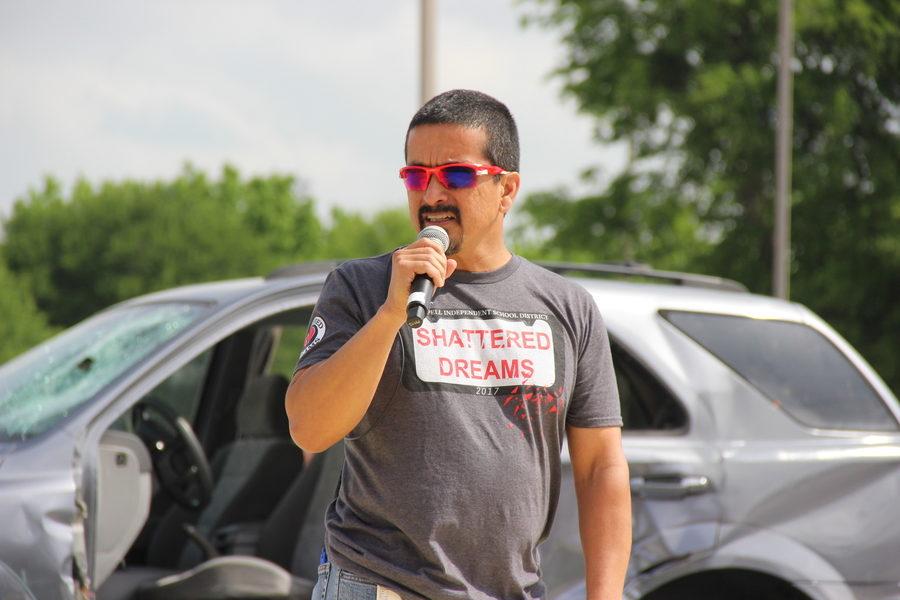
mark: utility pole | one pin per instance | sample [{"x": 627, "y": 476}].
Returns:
[
  {"x": 427, "y": 31},
  {"x": 781, "y": 242}
]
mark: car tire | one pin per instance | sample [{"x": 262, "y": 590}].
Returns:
[{"x": 733, "y": 584}]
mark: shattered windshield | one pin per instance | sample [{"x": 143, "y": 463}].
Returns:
[{"x": 42, "y": 386}]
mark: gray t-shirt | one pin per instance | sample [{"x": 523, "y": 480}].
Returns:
[{"x": 452, "y": 477}]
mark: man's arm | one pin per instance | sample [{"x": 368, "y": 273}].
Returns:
[
  {"x": 325, "y": 401},
  {"x": 604, "y": 508}
]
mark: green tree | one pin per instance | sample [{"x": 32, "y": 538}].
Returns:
[
  {"x": 114, "y": 241},
  {"x": 22, "y": 325},
  {"x": 351, "y": 235},
  {"x": 632, "y": 220},
  {"x": 690, "y": 87}
]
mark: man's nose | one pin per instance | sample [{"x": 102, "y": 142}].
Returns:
[{"x": 435, "y": 193}]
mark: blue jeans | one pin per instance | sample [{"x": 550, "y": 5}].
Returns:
[{"x": 334, "y": 583}]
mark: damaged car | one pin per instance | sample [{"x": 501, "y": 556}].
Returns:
[{"x": 144, "y": 453}]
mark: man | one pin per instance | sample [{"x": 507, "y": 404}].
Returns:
[{"x": 454, "y": 429}]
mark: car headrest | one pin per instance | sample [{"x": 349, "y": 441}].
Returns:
[{"x": 260, "y": 411}]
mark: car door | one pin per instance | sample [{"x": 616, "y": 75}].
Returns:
[
  {"x": 184, "y": 377},
  {"x": 674, "y": 473},
  {"x": 674, "y": 468},
  {"x": 811, "y": 449}
]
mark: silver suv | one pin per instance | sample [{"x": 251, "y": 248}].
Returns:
[
  {"x": 764, "y": 451},
  {"x": 144, "y": 453}
]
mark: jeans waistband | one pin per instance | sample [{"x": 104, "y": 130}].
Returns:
[{"x": 331, "y": 574}]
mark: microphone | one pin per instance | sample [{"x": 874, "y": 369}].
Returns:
[{"x": 422, "y": 288}]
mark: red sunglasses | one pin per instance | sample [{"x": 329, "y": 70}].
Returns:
[{"x": 454, "y": 176}]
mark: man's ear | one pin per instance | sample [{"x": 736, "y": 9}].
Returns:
[{"x": 509, "y": 184}]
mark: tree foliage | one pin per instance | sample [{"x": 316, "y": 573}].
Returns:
[
  {"x": 631, "y": 221},
  {"x": 22, "y": 325},
  {"x": 109, "y": 242},
  {"x": 690, "y": 87},
  {"x": 351, "y": 235},
  {"x": 121, "y": 239}
]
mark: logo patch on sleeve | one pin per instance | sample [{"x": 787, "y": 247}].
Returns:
[{"x": 314, "y": 335}]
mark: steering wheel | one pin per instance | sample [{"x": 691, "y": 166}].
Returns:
[{"x": 178, "y": 458}]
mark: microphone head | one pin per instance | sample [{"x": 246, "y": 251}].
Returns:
[{"x": 438, "y": 234}]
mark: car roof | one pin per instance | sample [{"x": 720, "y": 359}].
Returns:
[
  {"x": 612, "y": 295},
  {"x": 215, "y": 292},
  {"x": 222, "y": 293},
  {"x": 233, "y": 290}
]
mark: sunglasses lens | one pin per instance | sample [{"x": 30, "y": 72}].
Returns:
[
  {"x": 458, "y": 177},
  {"x": 415, "y": 179}
]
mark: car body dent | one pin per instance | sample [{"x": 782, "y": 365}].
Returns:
[
  {"x": 675, "y": 523},
  {"x": 757, "y": 550},
  {"x": 659, "y": 547},
  {"x": 763, "y": 555},
  {"x": 41, "y": 516}
]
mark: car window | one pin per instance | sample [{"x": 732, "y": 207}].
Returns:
[
  {"x": 646, "y": 404},
  {"x": 41, "y": 387},
  {"x": 182, "y": 390},
  {"x": 287, "y": 350},
  {"x": 794, "y": 366}
]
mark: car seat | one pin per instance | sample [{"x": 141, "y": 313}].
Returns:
[
  {"x": 287, "y": 554},
  {"x": 250, "y": 473}
]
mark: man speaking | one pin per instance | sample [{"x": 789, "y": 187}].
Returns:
[{"x": 454, "y": 422}]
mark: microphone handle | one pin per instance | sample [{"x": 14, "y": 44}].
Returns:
[{"x": 421, "y": 292}]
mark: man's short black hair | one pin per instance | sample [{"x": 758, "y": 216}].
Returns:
[{"x": 470, "y": 108}]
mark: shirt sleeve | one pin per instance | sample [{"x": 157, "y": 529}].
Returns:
[
  {"x": 335, "y": 319},
  {"x": 595, "y": 399}
]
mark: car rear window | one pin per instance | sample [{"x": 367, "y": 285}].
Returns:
[{"x": 793, "y": 365}]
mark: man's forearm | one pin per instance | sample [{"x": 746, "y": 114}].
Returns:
[
  {"x": 604, "y": 514},
  {"x": 326, "y": 401}
]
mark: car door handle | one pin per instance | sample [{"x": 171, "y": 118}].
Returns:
[{"x": 669, "y": 487}]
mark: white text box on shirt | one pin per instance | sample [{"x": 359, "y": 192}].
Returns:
[{"x": 488, "y": 352}]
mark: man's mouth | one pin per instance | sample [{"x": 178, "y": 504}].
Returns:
[
  {"x": 432, "y": 216},
  {"x": 439, "y": 218}
]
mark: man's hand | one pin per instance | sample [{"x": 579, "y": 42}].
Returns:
[{"x": 424, "y": 256}]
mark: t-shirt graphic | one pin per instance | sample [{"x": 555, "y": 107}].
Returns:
[{"x": 482, "y": 352}]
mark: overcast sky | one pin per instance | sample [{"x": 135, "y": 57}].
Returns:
[{"x": 320, "y": 90}]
